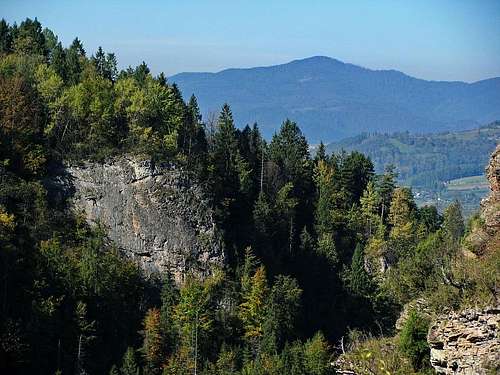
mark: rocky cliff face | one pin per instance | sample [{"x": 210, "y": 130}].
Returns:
[
  {"x": 490, "y": 206},
  {"x": 154, "y": 214},
  {"x": 487, "y": 237},
  {"x": 466, "y": 343}
]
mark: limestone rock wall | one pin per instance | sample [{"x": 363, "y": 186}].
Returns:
[
  {"x": 466, "y": 343},
  {"x": 154, "y": 214}
]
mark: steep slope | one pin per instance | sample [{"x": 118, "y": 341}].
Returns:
[
  {"x": 153, "y": 214},
  {"x": 468, "y": 342},
  {"x": 331, "y": 99}
]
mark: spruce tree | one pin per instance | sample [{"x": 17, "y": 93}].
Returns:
[
  {"x": 358, "y": 279},
  {"x": 58, "y": 61}
]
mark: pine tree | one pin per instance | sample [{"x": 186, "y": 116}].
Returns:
[
  {"x": 111, "y": 70},
  {"x": 228, "y": 172},
  {"x": 51, "y": 40},
  {"x": 192, "y": 138},
  {"x": 327, "y": 197},
  {"x": 290, "y": 152},
  {"x": 141, "y": 72},
  {"x": 356, "y": 171},
  {"x": 402, "y": 218},
  {"x": 162, "y": 79},
  {"x": 250, "y": 265},
  {"x": 402, "y": 209}
]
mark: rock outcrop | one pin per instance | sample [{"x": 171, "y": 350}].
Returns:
[
  {"x": 155, "y": 215},
  {"x": 490, "y": 206},
  {"x": 420, "y": 305},
  {"x": 466, "y": 343},
  {"x": 487, "y": 236}
]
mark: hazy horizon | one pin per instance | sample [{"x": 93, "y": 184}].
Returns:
[{"x": 445, "y": 41}]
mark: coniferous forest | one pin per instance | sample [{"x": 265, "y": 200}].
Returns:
[{"x": 321, "y": 252}]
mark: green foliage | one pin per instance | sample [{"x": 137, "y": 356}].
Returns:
[
  {"x": 129, "y": 363},
  {"x": 359, "y": 281},
  {"x": 253, "y": 306},
  {"x": 281, "y": 312},
  {"x": 378, "y": 356},
  {"x": 413, "y": 340},
  {"x": 29, "y": 38},
  {"x": 319, "y": 228},
  {"x": 453, "y": 222},
  {"x": 316, "y": 356}
]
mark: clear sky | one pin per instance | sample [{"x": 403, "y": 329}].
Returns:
[{"x": 431, "y": 39}]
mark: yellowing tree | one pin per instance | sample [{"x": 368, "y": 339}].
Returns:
[
  {"x": 252, "y": 309},
  {"x": 152, "y": 347}
]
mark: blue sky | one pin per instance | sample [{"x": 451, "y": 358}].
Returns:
[{"x": 431, "y": 39}]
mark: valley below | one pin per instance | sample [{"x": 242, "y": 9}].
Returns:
[{"x": 199, "y": 225}]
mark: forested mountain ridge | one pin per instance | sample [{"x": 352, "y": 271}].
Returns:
[
  {"x": 333, "y": 100},
  {"x": 427, "y": 160},
  {"x": 320, "y": 252}
]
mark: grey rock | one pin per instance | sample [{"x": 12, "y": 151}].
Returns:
[
  {"x": 461, "y": 343},
  {"x": 155, "y": 215}
]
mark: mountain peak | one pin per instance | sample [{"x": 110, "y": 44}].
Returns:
[{"x": 331, "y": 99}]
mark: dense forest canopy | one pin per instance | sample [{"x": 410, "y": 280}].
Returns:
[
  {"x": 427, "y": 160},
  {"x": 320, "y": 250}
]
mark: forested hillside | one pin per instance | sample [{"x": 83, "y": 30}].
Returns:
[
  {"x": 321, "y": 252},
  {"x": 427, "y": 160},
  {"x": 440, "y": 168},
  {"x": 333, "y": 100}
]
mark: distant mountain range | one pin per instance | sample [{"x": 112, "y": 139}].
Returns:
[{"x": 331, "y": 100}]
